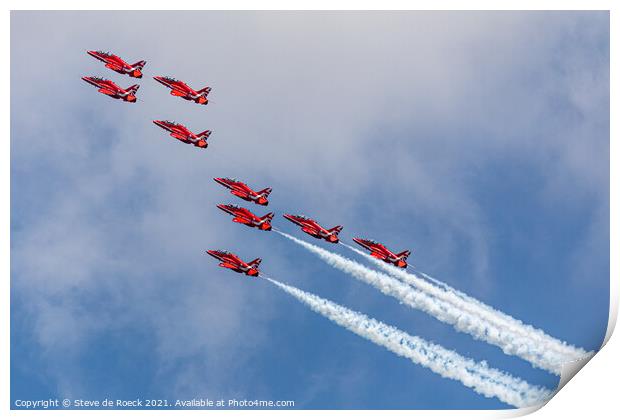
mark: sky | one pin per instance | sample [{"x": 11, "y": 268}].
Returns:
[{"x": 479, "y": 140}]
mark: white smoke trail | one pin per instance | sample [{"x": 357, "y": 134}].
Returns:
[
  {"x": 478, "y": 376},
  {"x": 537, "y": 353},
  {"x": 479, "y": 309}
]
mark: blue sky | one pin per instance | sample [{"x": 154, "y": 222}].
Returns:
[{"x": 478, "y": 140}]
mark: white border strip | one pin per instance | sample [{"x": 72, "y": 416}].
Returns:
[{"x": 596, "y": 394}]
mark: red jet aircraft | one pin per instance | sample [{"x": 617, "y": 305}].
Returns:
[
  {"x": 230, "y": 260},
  {"x": 246, "y": 217},
  {"x": 180, "y": 132},
  {"x": 108, "y": 87},
  {"x": 181, "y": 89},
  {"x": 241, "y": 190},
  {"x": 114, "y": 62},
  {"x": 312, "y": 228},
  {"x": 380, "y": 252}
]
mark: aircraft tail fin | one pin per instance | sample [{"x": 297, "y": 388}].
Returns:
[
  {"x": 265, "y": 192},
  {"x": 133, "y": 89},
  {"x": 335, "y": 229},
  {"x": 403, "y": 255},
  {"x": 255, "y": 263},
  {"x": 267, "y": 217},
  {"x": 205, "y": 134},
  {"x": 204, "y": 91},
  {"x": 139, "y": 64}
]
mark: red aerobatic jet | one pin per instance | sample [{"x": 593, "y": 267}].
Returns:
[
  {"x": 312, "y": 228},
  {"x": 181, "y": 89},
  {"x": 245, "y": 216},
  {"x": 114, "y": 62},
  {"x": 380, "y": 252},
  {"x": 108, "y": 87},
  {"x": 182, "y": 133},
  {"x": 241, "y": 190},
  {"x": 230, "y": 260}
]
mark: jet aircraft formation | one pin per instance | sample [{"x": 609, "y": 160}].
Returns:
[
  {"x": 177, "y": 88},
  {"x": 238, "y": 188},
  {"x": 308, "y": 225},
  {"x": 483, "y": 325}
]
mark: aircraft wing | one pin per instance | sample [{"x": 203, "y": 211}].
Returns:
[
  {"x": 227, "y": 265},
  {"x": 378, "y": 255},
  {"x": 113, "y": 66},
  {"x": 107, "y": 91},
  {"x": 239, "y": 193},
  {"x": 310, "y": 231},
  {"x": 239, "y": 219}
]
